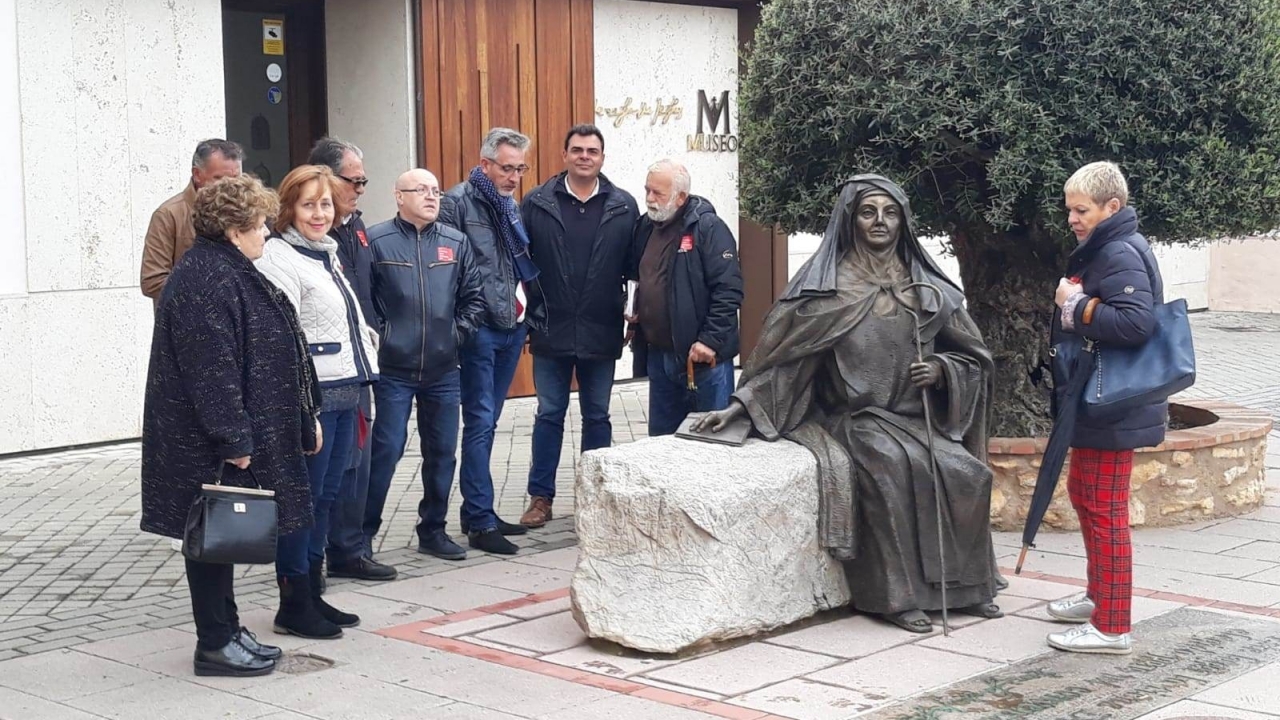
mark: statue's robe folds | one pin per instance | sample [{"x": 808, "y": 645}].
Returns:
[{"x": 832, "y": 373}]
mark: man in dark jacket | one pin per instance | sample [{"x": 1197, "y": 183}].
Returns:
[
  {"x": 690, "y": 289},
  {"x": 580, "y": 236},
  {"x": 483, "y": 208},
  {"x": 427, "y": 291},
  {"x": 347, "y": 553}
]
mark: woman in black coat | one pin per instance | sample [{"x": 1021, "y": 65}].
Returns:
[
  {"x": 1109, "y": 297},
  {"x": 231, "y": 394}
]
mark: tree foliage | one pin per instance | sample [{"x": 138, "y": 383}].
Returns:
[{"x": 983, "y": 108}]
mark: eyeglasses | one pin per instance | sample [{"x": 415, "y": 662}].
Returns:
[
  {"x": 358, "y": 182},
  {"x": 509, "y": 169},
  {"x": 431, "y": 192}
]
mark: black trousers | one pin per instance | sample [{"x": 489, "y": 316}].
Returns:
[{"x": 213, "y": 603}]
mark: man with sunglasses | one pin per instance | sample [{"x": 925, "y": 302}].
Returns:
[
  {"x": 349, "y": 555},
  {"x": 427, "y": 290},
  {"x": 483, "y": 208}
]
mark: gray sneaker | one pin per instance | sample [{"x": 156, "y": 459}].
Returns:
[
  {"x": 1072, "y": 610},
  {"x": 1089, "y": 639}
]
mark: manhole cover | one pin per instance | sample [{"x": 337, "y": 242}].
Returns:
[
  {"x": 302, "y": 663},
  {"x": 1176, "y": 655}
]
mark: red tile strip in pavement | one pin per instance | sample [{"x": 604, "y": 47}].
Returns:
[{"x": 415, "y": 632}]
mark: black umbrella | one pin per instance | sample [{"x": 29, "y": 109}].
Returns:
[{"x": 1055, "y": 453}]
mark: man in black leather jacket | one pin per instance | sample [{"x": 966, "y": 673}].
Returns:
[
  {"x": 483, "y": 208},
  {"x": 427, "y": 294}
]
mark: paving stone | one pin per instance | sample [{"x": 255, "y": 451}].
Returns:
[
  {"x": 808, "y": 700},
  {"x": 904, "y": 670},
  {"x": 470, "y": 627},
  {"x": 549, "y": 634},
  {"x": 847, "y": 637},
  {"x": 46, "y": 675},
  {"x": 338, "y": 695},
  {"x": 1191, "y": 709},
  {"x": 138, "y": 644},
  {"x": 742, "y": 669},
  {"x": 611, "y": 660},
  {"x": 1257, "y": 691},
  {"x": 169, "y": 698},
  {"x": 15, "y": 705},
  {"x": 445, "y": 595},
  {"x": 1004, "y": 640},
  {"x": 624, "y": 707}
]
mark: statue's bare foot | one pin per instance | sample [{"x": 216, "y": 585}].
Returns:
[
  {"x": 912, "y": 621},
  {"x": 983, "y": 610}
]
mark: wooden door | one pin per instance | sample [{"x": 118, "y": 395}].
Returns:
[{"x": 523, "y": 64}]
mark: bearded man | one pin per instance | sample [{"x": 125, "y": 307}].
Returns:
[{"x": 687, "y": 299}]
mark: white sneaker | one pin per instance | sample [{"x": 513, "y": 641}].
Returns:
[
  {"x": 1072, "y": 610},
  {"x": 1089, "y": 639}
]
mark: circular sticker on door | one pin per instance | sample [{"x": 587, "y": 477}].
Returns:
[
  {"x": 274, "y": 73},
  {"x": 274, "y": 95}
]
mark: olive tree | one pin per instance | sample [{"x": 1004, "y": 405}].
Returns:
[{"x": 982, "y": 109}]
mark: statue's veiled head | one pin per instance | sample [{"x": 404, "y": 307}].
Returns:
[{"x": 877, "y": 221}]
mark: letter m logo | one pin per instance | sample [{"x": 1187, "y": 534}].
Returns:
[{"x": 712, "y": 110}]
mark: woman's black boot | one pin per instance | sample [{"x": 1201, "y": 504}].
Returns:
[
  {"x": 330, "y": 613},
  {"x": 231, "y": 660},
  {"x": 298, "y": 615}
]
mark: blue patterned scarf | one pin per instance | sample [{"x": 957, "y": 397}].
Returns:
[{"x": 512, "y": 231}]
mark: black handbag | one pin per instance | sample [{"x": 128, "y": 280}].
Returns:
[
  {"x": 1123, "y": 378},
  {"x": 231, "y": 525}
]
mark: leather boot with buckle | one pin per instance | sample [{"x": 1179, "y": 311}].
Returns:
[{"x": 538, "y": 514}]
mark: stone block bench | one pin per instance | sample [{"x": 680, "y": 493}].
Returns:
[{"x": 683, "y": 542}]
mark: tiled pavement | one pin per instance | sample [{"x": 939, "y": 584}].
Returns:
[{"x": 103, "y": 610}]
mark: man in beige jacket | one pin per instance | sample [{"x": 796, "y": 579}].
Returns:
[{"x": 170, "y": 233}]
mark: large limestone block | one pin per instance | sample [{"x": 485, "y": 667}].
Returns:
[{"x": 682, "y": 542}]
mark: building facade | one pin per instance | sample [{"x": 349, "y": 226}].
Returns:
[{"x": 99, "y": 134}]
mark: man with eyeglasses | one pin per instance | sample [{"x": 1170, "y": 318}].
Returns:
[
  {"x": 349, "y": 555},
  {"x": 483, "y": 208},
  {"x": 427, "y": 292},
  {"x": 580, "y": 234}
]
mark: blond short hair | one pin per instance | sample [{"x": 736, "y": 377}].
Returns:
[
  {"x": 1100, "y": 181},
  {"x": 234, "y": 203}
]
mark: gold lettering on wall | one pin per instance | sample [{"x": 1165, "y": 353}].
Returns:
[{"x": 659, "y": 112}]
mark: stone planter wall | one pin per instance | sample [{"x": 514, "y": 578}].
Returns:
[{"x": 1214, "y": 470}]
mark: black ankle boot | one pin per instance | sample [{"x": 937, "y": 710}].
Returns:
[
  {"x": 231, "y": 660},
  {"x": 330, "y": 613},
  {"x": 298, "y": 614}
]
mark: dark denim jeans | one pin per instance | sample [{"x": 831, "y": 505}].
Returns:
[
  {"x": 488, "y": 366},
  {"x": 346, "y": 519},
  {"x": 297, "y": 551},
  {"x": 438, "y": 432},
  {"x": 553, "y": 376},
  {"x": 670, "y": 398}
]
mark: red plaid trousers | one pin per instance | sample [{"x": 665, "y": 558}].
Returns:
[{"x": 1099, "y": 487}]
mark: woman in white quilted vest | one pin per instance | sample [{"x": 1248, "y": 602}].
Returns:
[{"x": 302, "y": 260}]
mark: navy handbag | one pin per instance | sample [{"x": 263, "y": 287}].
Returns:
[{"x": 1123, "y": 378}]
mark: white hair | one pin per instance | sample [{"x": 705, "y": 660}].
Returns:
[
  {"x": 680, "y": 180},
  {"x": 1100, "y": 181}
]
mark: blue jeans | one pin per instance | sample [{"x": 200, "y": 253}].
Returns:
[
  {"x": 297, "y": 551},
  {"x": 552, "y": 377},
  {"x": 488, "y": 366},
  {"x": 346, "y": 519},
  {"x": 670, "y": 398},
  {"x": 438, "y": 432}
]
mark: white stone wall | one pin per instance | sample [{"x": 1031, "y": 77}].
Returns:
[
  {"x": 370, "y": 62},
  {"x": 649, "y": 51},
  {"x": 1243, "y": 275},
  {"x": 114, "y": 95}
]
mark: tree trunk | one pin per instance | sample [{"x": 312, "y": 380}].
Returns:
[{"x": 1009, "y": 281}]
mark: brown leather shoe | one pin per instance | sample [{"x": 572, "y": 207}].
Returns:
[{"x": 538, "y": 514}]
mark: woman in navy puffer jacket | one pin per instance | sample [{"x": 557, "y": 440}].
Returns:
[{"x": 1108, "y": 296}]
